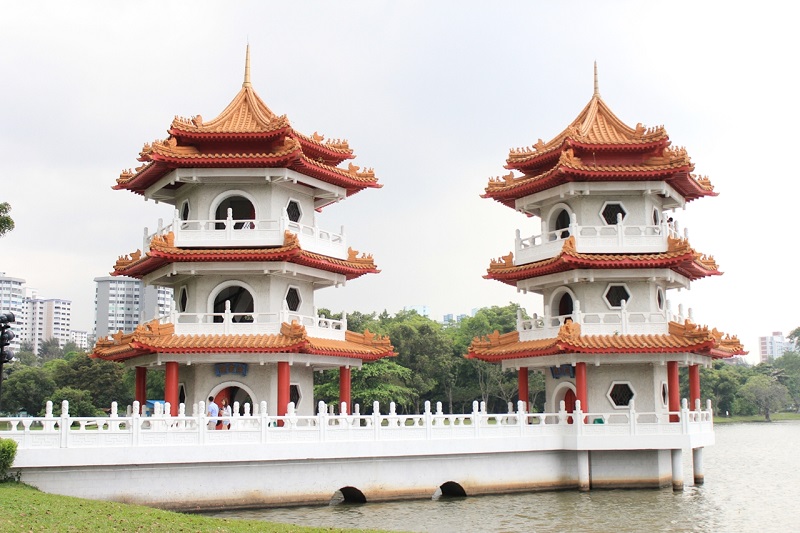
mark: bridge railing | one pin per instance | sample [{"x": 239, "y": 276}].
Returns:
[{"x": 197, "y": 429}]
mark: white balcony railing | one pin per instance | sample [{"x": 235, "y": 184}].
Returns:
[
  {"x": 230, "y": 232},
  {"x": 615, "y": 322},
  {"x": 227, "y": 323},
  {"x": 616, "y": 238},
  {"x": 622, "y": 429}
]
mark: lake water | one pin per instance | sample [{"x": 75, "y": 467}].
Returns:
[{"x": 752, "y": 483}]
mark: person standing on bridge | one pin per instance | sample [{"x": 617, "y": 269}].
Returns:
[{"x": 213, "y": 412}]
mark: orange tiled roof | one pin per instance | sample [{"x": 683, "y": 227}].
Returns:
[
  {"x": 163, "y": 251},
  {"x": 598, "y": 146},
  {"x": 154, "y": 337},
  {"x": 679, "y": 257},
  {"x": 246, "y": 134},
  {"x": 687, "y": 337}
]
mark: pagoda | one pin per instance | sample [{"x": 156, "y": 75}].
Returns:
[
  {"x": 244, "y": 257},
  {"x": 604, "y": 261}
]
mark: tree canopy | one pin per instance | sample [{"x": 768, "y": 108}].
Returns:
[{"x": 6, "y": 222}]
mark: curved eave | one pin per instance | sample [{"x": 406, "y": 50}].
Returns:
[
  {"x": 525, "y": 162},
  {"x": 678, "y": 177},
  {"x": 684, "y": 264},
  {"x": 223, "y": 136},
  {"x": 353, "y": 183},
  {"x": 156, "y": 259},
  {"x": 314, "y": 149}
]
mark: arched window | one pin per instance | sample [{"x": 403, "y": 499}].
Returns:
[
  {"x": 241, "y": 304},
  {"x": 562, "y": 223},
  {"x": 241, "y": 210}
]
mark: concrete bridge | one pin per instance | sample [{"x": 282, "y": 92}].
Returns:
[{"x": 177, "y": 462}]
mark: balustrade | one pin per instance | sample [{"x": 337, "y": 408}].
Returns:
[{"x": 136, "y": 430}]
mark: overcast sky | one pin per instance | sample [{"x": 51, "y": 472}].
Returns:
[{"x": 430, "y": 94}]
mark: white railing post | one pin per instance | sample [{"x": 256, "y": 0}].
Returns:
[
  {"x": 229, "y": 225},
  {"x": 476, "y": 416},
  {"x": 624, "y": 317},
  {"x": 632, "y": 417},
  {"x": 264, "y": 421},
  {"x": 428, "y": 419},
  {"x": 64, "y": 424},
  {"x": 322, "y": 422},
  {"x": 562, "y": 412},
  {"x": 620, "y": 231},
  {"x": 376, "y": 420},
  {"x": 135, "y": 424},
  {"x": 685, "y": 416},
  {"x": 577, "y": 418}
]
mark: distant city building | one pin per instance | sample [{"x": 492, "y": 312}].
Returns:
[
  {"x": 12, "y": 295},
  {"x": 773, "y": 346},
  {"x": 79, "y": 339},
  {"x": 122, "y": 303},
  {"x": 45, "y": 319},
  {"x": 422, "y": 310}
]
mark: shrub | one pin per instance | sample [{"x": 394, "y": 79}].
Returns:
[{"x": 8, "y": 451}]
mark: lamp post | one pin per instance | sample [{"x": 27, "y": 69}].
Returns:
[{"x": 6, "y": 336}]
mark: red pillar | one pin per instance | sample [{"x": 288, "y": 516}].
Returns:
[
  {"x": 581, "y": 391},
  {"x": 283, "y": 387},
  {"x": 694, "y": 385},
  {"x": 141, "y": 386},
  {"x": 344, "y": 386},
  {"x": 674, "y": 387},
  {"x": 523, "y": 385},
  {"x": 171, "y": 387}
]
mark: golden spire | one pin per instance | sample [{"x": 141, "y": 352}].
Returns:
[
  {"x": 596, "y": 84},
  {"x": 247, "y": 68}
]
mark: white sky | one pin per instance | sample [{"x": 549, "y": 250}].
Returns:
[{"x": 430, "y": 94}]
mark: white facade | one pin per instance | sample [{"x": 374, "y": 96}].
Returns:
[
  {"x": 122, "y": 303},
  {"x": 12, "y": 298},
  {"x": 46, "y": 319},
  {"x": 773, "y": 346}
]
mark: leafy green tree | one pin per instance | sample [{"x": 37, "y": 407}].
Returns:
[
  {"x": 766, "y": 394},
  {"x": 383, "y": 381},
  {"x": 6, "y": 222},
  {"x": 27, "y": 390},
  {"x": 789, "y": 364},
  {"x": 49, "y": 350},
  {"x": 80, "y": 401},
  {"x": 103, "y": 381}
]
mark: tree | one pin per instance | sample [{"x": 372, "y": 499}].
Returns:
[
  {"x": 103, "y": 381},
  {"x": 80, "y": 401},
  {"x": 766, "y": 394},
  {"x": 789, "y": 364},
  {"x": 27, "y": 390},
  {"x": 50, "y": 349},
  {"x": 6, "y": 222},
  {"x": 383, "y": 381}
]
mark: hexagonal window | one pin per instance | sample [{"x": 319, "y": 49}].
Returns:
[
  {"x": 660, "y": 298},
  {"x": 183, "y": 300},
  {"x": 610, "y": 212},
  {"x": 293, "y": 211},
  {"x": 293, "y": 299},
  {"x": 294, "y": 395},
  {"x": 656, "y": 217},
  {"x": 664, "y": 394},
  {"x": 185, "y": 210},
  {"x": 615, "y": 294},
  {"x": 621, "y": 394}
]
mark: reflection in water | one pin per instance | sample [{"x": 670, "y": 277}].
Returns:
[{"x": 752, "y": 484}]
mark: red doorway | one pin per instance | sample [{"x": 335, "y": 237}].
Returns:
[{"x": 569, "y": 403}]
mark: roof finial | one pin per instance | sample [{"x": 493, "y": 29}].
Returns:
[
  {"x": 596, "y": 84},
  {"x": 247, "y": 68}
]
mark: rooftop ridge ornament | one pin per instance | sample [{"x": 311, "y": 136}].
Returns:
[
  {"x": 246, "y": 82},
  {"x": 596, "y": 83}
]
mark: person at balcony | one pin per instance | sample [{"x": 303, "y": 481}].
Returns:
[
  {"x": 569, "y": 329},
  {"x": 226, "y": 414},
  {"x": 213, "y": 412}
]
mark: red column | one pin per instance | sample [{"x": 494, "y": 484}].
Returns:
[
  {"x": 141, "y": 386},
  {"x": 694, "y": 385},
  {"x": 523, "y": 385},
  {"x": 674, "y": 387},
  {"x": 581, "y": 391},
  {"x": 344, "y": 386},
  {"x": 171, "y": 387},
  {"x": 283, "y": 387}
]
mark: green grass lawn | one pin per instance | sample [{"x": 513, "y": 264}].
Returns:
[
  {"x": 755, "y": 418},
  {"x": 23, "y": 508}
]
